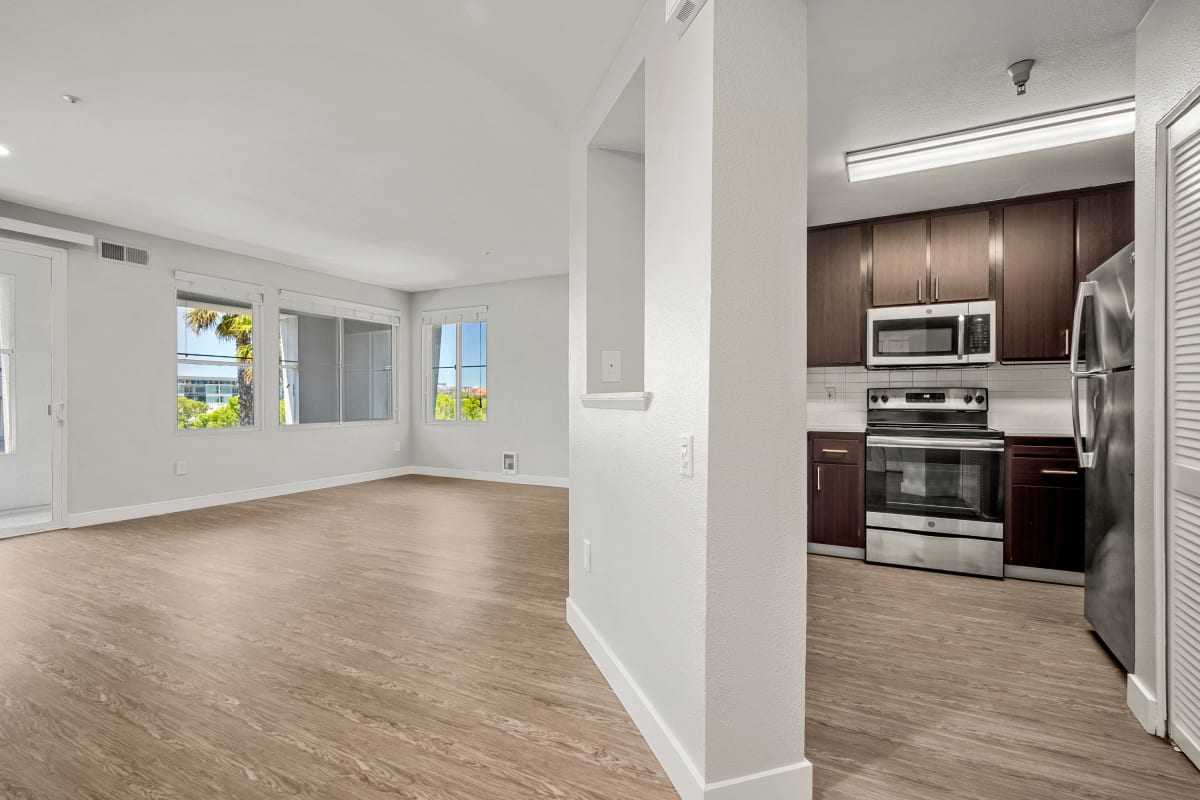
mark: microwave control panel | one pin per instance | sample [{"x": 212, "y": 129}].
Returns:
[{"x": 979, "y": 334}]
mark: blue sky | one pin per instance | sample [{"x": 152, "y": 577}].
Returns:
[
  {"x": 474, "y": 351},
  {"x": 206, "y": 345}
]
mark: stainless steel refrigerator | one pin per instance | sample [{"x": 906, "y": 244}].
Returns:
[{"x": 1102, "y": 407}]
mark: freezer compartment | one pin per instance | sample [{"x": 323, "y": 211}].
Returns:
[{"x": 946, "y": 553}]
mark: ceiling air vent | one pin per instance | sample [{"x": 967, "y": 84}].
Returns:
[
  {"x": 680, "y": 14},
  {"x": 123, "y": 254}
]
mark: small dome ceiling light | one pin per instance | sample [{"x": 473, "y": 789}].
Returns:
[
  {"x": 72, "y": 99},
  {"x": 1019, "y": 72}
]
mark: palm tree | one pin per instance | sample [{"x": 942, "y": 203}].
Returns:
[{"x": 239, "y": 328}]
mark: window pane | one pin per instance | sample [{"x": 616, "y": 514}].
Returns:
[
  {"x": 5, "y": 424},
  {"x": 367, "y": 363},
  {"x": 222, "y": 398},
  {"x": 444, "y": 397},
  {"x": 445, "y": 372},
  {"x": 214, "y": 379},
  {"x": 213, "y": 330},
  {"x": 474, "y": 346},
  {"x": 309, "y": 359},
  {"x": 474, "y": 393}
]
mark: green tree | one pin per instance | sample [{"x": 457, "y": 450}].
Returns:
[
  {"x": 189, "y": 410},
  {"x": 227, "y": 416},
  {"x": 474, "y": 407},
  {"x": 443, "y": 408},
  {"x": 237, "y": 328}
]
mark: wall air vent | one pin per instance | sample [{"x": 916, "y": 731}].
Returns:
[
  {"x": 681, "y": 13},
  {"x": 122, "y": 253}
]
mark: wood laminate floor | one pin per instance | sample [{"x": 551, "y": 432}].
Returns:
[
  {"x": 398, "y": 639},
  {"x": 924, "y": 686},
  {"x": 406, "y": 639}
]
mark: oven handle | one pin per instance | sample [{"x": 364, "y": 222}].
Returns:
[{"x": 982, "y": 445}]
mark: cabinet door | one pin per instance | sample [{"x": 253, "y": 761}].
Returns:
[
  {"x": 836, "y": 503},
  {"x": 836, "y": 325},
  {"x": 900, "y": 262},
  {"x": 1039, "y": 280},
  {"x": 960, "y": 257},
  {"x": 1046, "y": 528},
  {"x": 1104, "y": 224}
]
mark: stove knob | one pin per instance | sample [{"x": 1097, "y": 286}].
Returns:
[
  {"x": 874, "y": 398},
  {"x": 884, "y": 398},
  {"x": 967, "y": 398},
  {"x": 979, "y": 398}
]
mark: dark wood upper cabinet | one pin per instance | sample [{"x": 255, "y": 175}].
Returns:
[
  {"x": 1104, "y": 224},
  {"x": 960, "y": 257},
  {"x": 835, "y": 306},
  {"x": 900, "y": 262},
  {"x": 1038, "y": 246}
]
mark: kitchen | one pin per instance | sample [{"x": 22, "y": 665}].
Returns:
[{"x": 970, "y": 399}]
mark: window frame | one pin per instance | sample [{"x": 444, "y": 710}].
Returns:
[
  {"x": 297, "y": 304},
  {"x": 457, "y": 317},
  {"x": 234, "y": 294},
  {"x": 7, "y": 398}
]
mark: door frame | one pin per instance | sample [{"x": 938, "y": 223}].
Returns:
[
  {"x": 1163, "y": 299},
  {"x": 58, "y": 378}
]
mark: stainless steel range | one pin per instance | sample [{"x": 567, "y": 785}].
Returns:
[{"x": 934, "y": 480}]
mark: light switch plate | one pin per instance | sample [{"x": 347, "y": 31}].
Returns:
[
  {"x": 686, "y": 455},
  {"x": 831, "y": 393},
  {"x": 610, "y": 366},
  {"x": 181, "y": 468}
]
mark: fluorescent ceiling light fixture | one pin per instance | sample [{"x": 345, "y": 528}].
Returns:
[
  {"x": 1073, "y": 126},
  {"x": 3, "y": 151}
]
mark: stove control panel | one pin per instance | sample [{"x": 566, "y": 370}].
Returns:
[{"x": 917, "y": 398}]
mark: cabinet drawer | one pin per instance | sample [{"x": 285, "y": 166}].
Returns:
[
  {"x": 836, "y": 451},
  {"x": 1044, "y": 449},
  {"x": 1047, "y": 472}
]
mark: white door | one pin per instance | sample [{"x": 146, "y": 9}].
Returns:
[
  {"x": 1183, "y": 431},
  {"x": 27, "y": 418}
]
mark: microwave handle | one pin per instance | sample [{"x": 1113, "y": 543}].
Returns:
[{"x": 962, "y": 336}]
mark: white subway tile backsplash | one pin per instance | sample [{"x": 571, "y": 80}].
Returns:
[{"x": 1030, "y": 398}]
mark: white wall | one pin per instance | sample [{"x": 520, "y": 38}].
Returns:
[
  {"x": 694, "y": 605},
  {"x": 121, "y": 332},
  {"x": 1168, "y": 69},
  {"x": 527, "y": 381},
  {"x": 617, "y": 257}
]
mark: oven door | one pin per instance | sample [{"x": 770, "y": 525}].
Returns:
[{"x": 948, "y": 485}]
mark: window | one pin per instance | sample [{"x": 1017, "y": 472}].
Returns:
[
  {"x": 214, "y": 362},
  {"x": 335, "y": 367},
  {"x": 7, "y": 289},
  {"x": 456, "y": 365}
]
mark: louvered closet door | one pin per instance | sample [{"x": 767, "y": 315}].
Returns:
[{"x": 1183, "y": 432}]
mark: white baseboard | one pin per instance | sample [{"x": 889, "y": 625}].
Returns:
[
  {"x": 1144, "y": 705},
  {"x": 666, "y": 748},
  {"x": 837, "y": 551},
  {"x": 106, "y": 515},
  {"x": 497, "y": 477},
  {"x": 1043, "y": 575},
  {"x": 793, "y": 782}
]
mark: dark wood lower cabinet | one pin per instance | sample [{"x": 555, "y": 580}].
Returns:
[
  {"x": 1045, "y": 505},
  {"x": 835, "y": 490}
]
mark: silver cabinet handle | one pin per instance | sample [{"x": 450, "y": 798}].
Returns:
[
  {"x": 1067, "y": 341},
  {"x": 937, "y": 288},
  {"x": 831, "y": 450},
  {"x": 1060, "y": 472},
  {"x": 920, "y": 288},
  {"x": 818, "y": 479}
]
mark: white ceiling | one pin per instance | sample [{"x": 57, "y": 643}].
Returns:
[
  {"x": 422, "y": 143},
  {"x": 882, "y": 72},
  {"x": 395, "y": 141}
]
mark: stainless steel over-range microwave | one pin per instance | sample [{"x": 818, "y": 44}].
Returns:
[{"x": 944, "y": 334}]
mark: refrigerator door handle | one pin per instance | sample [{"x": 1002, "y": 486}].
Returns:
[
  {"x": 1086, "y": 289},
  {"x": 1087, "y": 458}
]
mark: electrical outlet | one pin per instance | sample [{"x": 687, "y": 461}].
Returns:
[
  {"x": 686, "y": 459},
  {"x": 610, "y": 366},
  {"x": 587, "y": 555},
  {"x": 181, "y": 468},
  {"x": 831, "y": 393}
]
